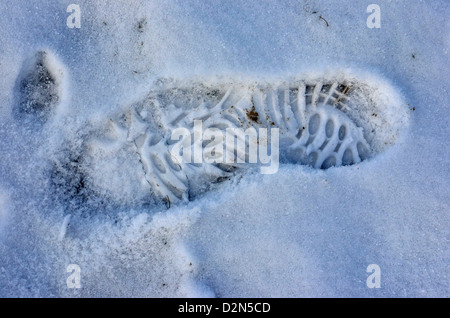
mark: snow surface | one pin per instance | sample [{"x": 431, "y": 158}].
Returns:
[{"x": 298, "y": 233}]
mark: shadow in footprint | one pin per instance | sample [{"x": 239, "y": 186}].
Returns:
[{"x": 38, "y": 88}]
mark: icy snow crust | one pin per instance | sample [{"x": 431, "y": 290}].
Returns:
[{"x": 299, "y": 232}]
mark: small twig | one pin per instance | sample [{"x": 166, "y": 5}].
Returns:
[
  {"x": 324, "y": 20},
  {"x": 168, "y": 200},
  {"x": 346, "y": 90}
]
